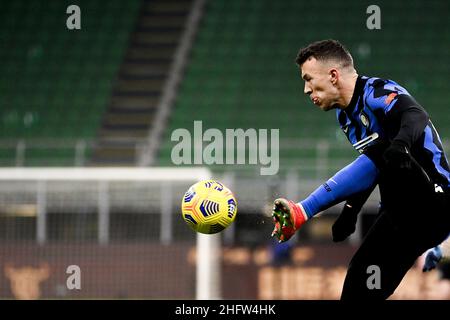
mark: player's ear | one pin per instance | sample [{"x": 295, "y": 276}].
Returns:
[{"x": 334, "y": 76}]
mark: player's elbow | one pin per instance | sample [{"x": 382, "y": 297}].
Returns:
[{"x": 419, "y": 116}]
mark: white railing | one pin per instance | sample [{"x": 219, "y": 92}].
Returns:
[
  {"x": 22, "y": 152},
  {"x": 310, "y": 158}
]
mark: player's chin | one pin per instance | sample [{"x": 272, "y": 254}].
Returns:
[{"x": 325, "y": 107}]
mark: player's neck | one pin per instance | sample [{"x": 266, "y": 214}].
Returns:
[{"x": 347, "y": 90}]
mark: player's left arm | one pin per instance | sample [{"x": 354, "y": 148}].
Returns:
[
  {"x": 412, "y": 120},
  {"x": 406, "y": 119}
]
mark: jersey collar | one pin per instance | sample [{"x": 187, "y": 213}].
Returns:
[{"x": 359, "y": 89}]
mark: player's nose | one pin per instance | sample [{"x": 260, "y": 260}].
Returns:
[{"x": 307, "y": 90}]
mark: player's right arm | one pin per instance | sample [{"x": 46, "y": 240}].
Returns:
[{"x": 355, "y": 178}]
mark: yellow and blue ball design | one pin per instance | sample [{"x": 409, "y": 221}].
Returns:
[{"x": 208, "y": 207}]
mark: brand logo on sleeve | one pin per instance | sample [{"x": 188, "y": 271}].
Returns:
[{"x": 390, "y": 97}]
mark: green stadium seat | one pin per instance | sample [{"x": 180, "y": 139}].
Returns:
[{"x": 56, "y": 82}]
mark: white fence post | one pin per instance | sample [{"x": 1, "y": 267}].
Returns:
[
  {"x": 20, "y": 153},
  {"x": 41, "y": 222},
  {"x": 166, "y": 213},
  {"x": 322, "y": 149},
  {"x": 80, "y": 151},
  {"x": 103, "y": 212}
]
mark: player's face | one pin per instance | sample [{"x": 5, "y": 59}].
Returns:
[{"x": 318, "y": 83}]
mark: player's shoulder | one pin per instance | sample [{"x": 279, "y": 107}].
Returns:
[
  {"x": 382, "y": 87},
  {"x": 381, "y": 93}
]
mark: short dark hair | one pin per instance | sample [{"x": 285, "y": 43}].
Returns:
[{"x": 325, "y": 50}]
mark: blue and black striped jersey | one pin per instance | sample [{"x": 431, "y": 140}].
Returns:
[{"x": 382, "y": 111}]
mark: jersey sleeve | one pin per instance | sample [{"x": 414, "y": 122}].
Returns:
[
  {"x": 406, "y": 119},
  {"x": 411, "y": 119},
  {"x": 358, "y": 176},
  {"x": 382, "y": 95}
]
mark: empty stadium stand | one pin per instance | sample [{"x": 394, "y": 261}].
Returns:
[
  {"x": 55, "y": 83},
  {"x": 242, "y": 73},
  {"x": 140, "y": 82},
  {"x": 68, "y": 96}
]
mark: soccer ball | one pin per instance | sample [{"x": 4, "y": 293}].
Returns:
[{"x": 208, "y": 207}]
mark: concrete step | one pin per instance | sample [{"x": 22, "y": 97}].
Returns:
[
  {"x": 141, "y": 84},
  {"x": 134, "y": 104},
  {"x": 168, "y": 7},
  {"x": 169, "y": 37},
  {"x": 131, "y": 68},
  {"x": 150, "y": 21},
  {"x": 141, "y": 80},
  {"x": 137, "y": 133},
  {"x": 112, "y": 119},
  {"x": 151, "y": 53}
]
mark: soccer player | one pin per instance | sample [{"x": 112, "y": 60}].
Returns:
[{"x": 400, "y": 151}]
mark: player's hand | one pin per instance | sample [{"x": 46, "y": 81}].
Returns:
[
  {"x": 288, "y": 218},
  {"x": 397, "y": 156},
  {"x": 345, "y": 224},
  {"x": 432, "y": 259}
]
